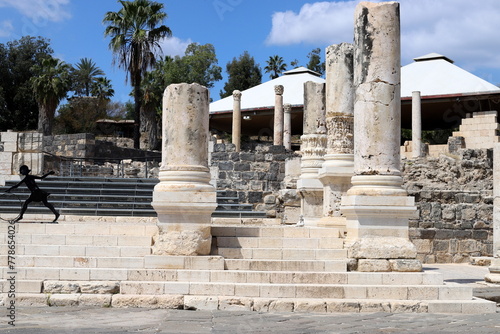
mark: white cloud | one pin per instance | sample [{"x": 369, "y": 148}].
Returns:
[
  {"x": 6, "y": 28},
  {"x": 174, "y": 46},
  {"x": 320, "y": 22},
  {"x": 465, "y": 31},
  {"x": 40, "y": 11}
]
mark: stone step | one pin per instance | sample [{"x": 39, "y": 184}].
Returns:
[
  {"x": 78, "y": 261},
  {"x": 280, "y": 242},
  {"x": 82, "y": 240},
  {"x": 79, "y": 250},
  {"x": 282, "y": 254},
  {"x": 232, "y": 303},
  {"x": 286, "y": 265},
  {"x": 276, "y": 231},
  {"x": 243, "y": 276},
  {"x": 263, "y": 290},
  {"x": 268, "y": 290}
]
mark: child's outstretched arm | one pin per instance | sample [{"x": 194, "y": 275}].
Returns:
[
  {"x": 47, "y": 174},
  {"x": 14, "y": 186}
]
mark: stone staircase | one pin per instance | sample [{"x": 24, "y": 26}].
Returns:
[
  {"x": 106, "y": 261},
  {"x": 97, "y": 196}
]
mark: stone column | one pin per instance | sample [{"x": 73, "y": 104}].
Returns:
[
  {"x": 313, "y": 149},
  {"x": 287, "y": 127},
  {"x": 338, "y": 168},
  {"x": 377, "y": 208},
  {"x": 494, "y": 274},
  {"x": 416, "y": 125},
  {"x": 278, "y": 115},
  {"x": 237, "y": 120},
  {"x": 184, "y": 199}
]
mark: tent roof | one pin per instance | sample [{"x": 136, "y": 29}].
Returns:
[
  {"x": 262, "y": 96},
  {"x": 435, "y": 74}
]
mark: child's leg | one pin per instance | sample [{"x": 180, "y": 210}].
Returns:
[
  {"x": 51, "y": 207},
  {"x": 24, "y": 208}
]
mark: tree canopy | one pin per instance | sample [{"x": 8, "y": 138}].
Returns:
[
  {"x": 136, "y": 31},
  {"x": 315, "y": 63},
  {"x": 18, "y": 107},
  {"x": 243, "y": 73},
  {"x": 275, "y": 66}
]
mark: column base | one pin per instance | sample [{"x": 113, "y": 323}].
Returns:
[
  {"x": 182, "y": 240},
  {"x": 494, "y": 275},
  {"x": 311, "y": 204}
]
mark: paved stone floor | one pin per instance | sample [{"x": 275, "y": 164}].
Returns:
[{"x": 59, "y": 320}]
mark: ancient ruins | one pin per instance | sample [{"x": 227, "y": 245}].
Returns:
[{"x": 343, "y": 225}]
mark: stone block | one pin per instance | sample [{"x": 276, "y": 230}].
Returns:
[
  {"x": 383, "y": 248},
  {"x": 170, "y": 302},
  {"x": 64, "y": 300},
  {"x": 309, "y": 306},
  {"x": 201, "y": 303},
  {"x": 371, "y": 265},
  {"x": 235, "y": 304},
  {"x": 31, "y": 299},
  {"x": 406, "y": 265},
  {"x": 281, "y": 306},
  {"x": 375, "y": 306},
  {"x": 78, "y": 274},
  {"x": 101, "y": 300},
  {"x": 408, "y": 307},
  {"x": 348, "y": 306},
  {"x": 133, "y": 301}
]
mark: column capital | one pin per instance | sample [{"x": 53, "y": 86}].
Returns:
[
  {"x": 279, "y": 89},
  {"x": 287, "y": 107},
  {"x": 236, "y": 95}
]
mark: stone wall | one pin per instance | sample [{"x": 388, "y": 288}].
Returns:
[
  {"x": 20, "y": 148},
  {"x": 255, "y": 174},
  {"x": 454, "y": 196}
]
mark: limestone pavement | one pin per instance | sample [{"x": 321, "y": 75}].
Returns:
[{"x": 59, "y": 320}]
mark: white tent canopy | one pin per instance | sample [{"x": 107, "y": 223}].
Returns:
[
  {"x": 435, "y": 74},
  {"x": 262, "y": 96}
]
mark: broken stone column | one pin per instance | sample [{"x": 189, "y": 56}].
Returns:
[
  {"x": 313, "y": 149},
  {"x": 278, "y": 115},
  {"x": 184, "y": 199},
  {"x": 287, "y": 127},
  {"x": 376, "y": 207},
  {"x": 237, "y": 120},
  {"x": 494, "y": 274},
  {"x": 338, "y": 168},
  {"x": 416, "y": 125}
]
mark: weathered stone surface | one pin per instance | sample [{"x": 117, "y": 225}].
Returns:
[
  {"x": 370, "y": 265},
  {"x": 99, "y": 287},
  {"x": 383, "y": 248},
  {"x": 64, "y": 299},
  {"x": 405, "y": 265},
  {"x": 61, "y": 287},
  {"x": 196, "y": 240},
  {"x": 201, "y": 303},
  {"x": 235, "y": 304},
  {"x": 101, "y": 300}
]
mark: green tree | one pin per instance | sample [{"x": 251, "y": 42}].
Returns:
[
  {"x": 275, "y": 66},
  {"x": 294, "y": 63},
  {"x": 243, "y": 73},
  {"x": 19, "y": 110},
  {"x": 50, "y": 86},
  {"x": 135, "y": 31},
  {"x": 102, "y": 89},
  {"x": 84, "y": 75},
  {"x": 315, "y": 63},
  {"x": 152, "y": 87}
]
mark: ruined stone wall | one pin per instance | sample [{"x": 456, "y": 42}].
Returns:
[
  {"x": 255, "y": 174},
  {"x": 454, "y": 197}
]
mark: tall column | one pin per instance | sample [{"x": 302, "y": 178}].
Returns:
[
  {"x": 184, "y": 199},
  {"x": 237, "y": 120},
  {"x": 287, "y": 127},
  {"x": 377, "y": 208},
  {"x": 338, "y": 168},
  {"x": 313, "y": 149},
  {"x": 416, "y": 125},
  {"x": 278, "y": 115},
  {"x": 494, "y": 274}
]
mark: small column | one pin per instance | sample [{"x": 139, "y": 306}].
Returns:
[
  {"x": 416, "y": 125},
  {"x": 494, "y": 274},
  {"x": 287, "y": 127},
  {"x": 278, "y": 115},
  {"x": 338, "y": 168},
  {"x": 377, "y": 208},
  {"x": 184, "y": 199},
  {"x": 237, "y": 120},
  {"x": 313, "y": 149}
]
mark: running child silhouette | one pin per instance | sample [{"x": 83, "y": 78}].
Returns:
[{"x": 37, "y": 194}]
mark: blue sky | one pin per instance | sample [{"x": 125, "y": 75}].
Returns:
[{"x": 463, "y": 30}]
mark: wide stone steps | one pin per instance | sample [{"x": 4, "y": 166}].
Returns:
[
  {"x": 282, "y": 254},
  {"x": 286, "y": 265}
]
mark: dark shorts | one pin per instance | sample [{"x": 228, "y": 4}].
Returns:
[{"x": 38, "y": 196}]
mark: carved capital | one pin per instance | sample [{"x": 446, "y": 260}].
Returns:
[
  {"x": 279, "y": 89},
  {"x": 288, "y": 107},
  {"x": 236, "y": 95},
  {"x": 340, "y": 134}
]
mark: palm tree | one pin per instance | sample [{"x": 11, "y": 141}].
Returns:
[
  {"x": 152, "y": 88},
  {"x": 101, "y": 88},
  {"x": 50, "y": 86},
  {"x": 135, "y": 33},
  {"x": 275, "y": 66},
  {"x": 86, "y": 73}
]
